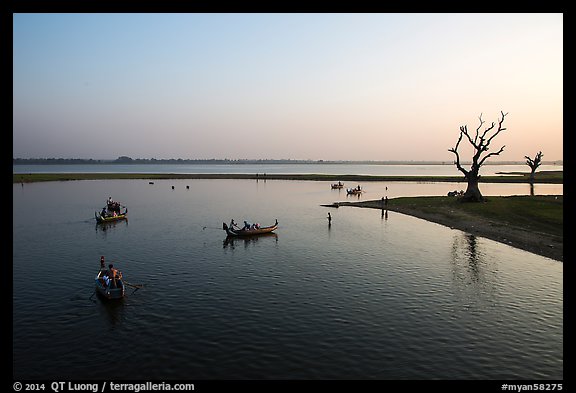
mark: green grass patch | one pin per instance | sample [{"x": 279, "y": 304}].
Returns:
[
  {"x": 543, "y": 213},
  {"x": 540, "y": 177},
  {"x": 555, "y": 177}
]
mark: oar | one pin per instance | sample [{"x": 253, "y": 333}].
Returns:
[
  {"x": 204, "y": 227},
  {"x": 138, "y": 286}
]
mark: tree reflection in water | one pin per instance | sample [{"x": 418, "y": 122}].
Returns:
[{"x": 473, "y": 275}]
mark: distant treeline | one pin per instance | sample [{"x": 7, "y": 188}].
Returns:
[
  {"x": 140, "y": 161},
  {"x": 212, "y": 161}
]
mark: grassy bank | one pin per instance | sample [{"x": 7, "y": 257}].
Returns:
[
  {"x": 555, "y": 177},
  {"x": 532, "y": 223}
]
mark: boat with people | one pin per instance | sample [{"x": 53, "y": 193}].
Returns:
[
  {"x": 111, "y": 212},
  {"x": 248, "y": 229},
  {"x": 354, "y": 191},
  {"x": 105, "y": 216},
  {"x": 107, "y": 287},
  {"x": 337, "y": 186}
]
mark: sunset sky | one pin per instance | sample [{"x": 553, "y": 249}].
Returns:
[{"x": 301, "y": 86}]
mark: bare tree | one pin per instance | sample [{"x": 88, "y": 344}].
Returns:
[
  {"x": 480, "y": 141},
  {"x": 534, "y": 164}
]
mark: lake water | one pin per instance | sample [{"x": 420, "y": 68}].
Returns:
[{"x": 375, "y": 295}]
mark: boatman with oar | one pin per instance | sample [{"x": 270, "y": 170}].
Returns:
[{"x": 114, "y": 275}]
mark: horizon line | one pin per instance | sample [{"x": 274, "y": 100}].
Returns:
[{"x": 129, "y": 160}]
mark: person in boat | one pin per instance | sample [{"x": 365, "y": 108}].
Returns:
[
  {"x": 105, "y": 278},
  {"x": 233, "y": 225},
  {"x": 103, "y": 212},
  {"x": 113, "y": 206},
  {"x": 114, "y": 275},
  {"x": 246, "y": 225}
]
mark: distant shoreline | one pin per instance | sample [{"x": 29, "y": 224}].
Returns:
[
  {"x": 243, "y": 161},
  {"x": 550, "y": 177}
]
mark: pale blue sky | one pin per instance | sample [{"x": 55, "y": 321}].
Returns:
[{"x": 301, "y": 86}]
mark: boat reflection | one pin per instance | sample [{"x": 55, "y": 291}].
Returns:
[
  {"x": 233, "y": 241},
  {"x": 113, "y": 312},
  {"x": 104, "y": 226}
]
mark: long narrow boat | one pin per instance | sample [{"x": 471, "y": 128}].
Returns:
[
  {"x": 249, "y": 232},
  {"x": 105, "y": 290},
  {"x": 109, "y": 218},
  {"x": 353, "y": 191}
]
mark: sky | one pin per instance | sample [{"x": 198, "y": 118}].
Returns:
[{"x": 319, "y": 86}]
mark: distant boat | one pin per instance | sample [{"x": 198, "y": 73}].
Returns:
[
  {"x": 353, "y": 191},
  {"x": 249, "y": 232},
  {"x": 337, "y": 186},
  {"x": 104, "y": 290},
  {"x": 111, "y": 212}
]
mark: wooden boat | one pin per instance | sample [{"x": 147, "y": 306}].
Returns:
[
  {"x": 353, "y": 191},
  {"x": 337, "y": 186},
  {"x": 104, "y": 290},
  {"x": 249, "y": 232},
  {"x": 110, "y": 217}
]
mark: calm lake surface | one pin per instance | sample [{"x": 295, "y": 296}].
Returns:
[{"x": 376, "y": 295}]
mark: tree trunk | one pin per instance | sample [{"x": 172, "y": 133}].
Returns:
[
  {"x": 532, "y": 176},
  {"x": 472, "y": 193}
]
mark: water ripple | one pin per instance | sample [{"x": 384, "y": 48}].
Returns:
[{"x": 366, "y": 298}]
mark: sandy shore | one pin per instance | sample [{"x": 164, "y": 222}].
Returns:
[{"x": 544, "y": 244}]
